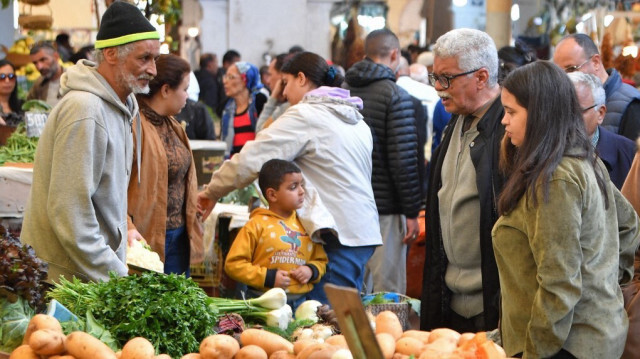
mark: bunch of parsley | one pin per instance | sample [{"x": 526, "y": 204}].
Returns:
[{"x": 171, "y": 311}]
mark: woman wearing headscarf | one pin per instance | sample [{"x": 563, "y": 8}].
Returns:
[{"x": 242, "y": 85}]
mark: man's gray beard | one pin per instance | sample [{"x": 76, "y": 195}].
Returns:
[{"x": 129, "y": 82}]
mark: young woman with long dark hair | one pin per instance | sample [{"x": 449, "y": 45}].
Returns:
[{"x": 566, "y": 237}]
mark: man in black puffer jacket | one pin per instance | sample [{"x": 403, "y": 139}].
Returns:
[{"x": 388, "y": 110}]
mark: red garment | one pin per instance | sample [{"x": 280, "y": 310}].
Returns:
[{"x": 243, "y": 131}]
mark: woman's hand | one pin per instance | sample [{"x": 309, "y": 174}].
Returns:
[
  {"x": 302, "y": 274},
  {"x": 277, "y": 91},
  {"x": 134, "y": 235},
  {"x": 205, "y": 205},
  {"x": 282, "y": 279}
]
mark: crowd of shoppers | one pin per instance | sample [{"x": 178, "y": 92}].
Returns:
[{"x": 527, "y": 232}]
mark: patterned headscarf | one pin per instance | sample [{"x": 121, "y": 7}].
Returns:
[{"x": 251, "y": 76}]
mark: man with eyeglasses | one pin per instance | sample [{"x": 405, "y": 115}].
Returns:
[
  {"x": 46, "y": 88},
  {"x": 460, "y": 283},
  {"x": 615, "y": 151},
  {"x": 388, "y": 110},
  {"x": 577, "y": 52}
]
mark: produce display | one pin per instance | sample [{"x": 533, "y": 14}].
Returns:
[
  {"x": 45, "y": 339},
  {"x": 169, "y": 310},
  {"x": 21, "y": 290},
  {"x": 158, "y": 316},
  {"x": 141, "y": 255},
  {"x": 19, "y": 148}
]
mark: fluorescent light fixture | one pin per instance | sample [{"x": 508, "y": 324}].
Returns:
[
  {"x": 193, "y": 31},
  {"x": 537, "y": 21},
  {"x": 459, "y": 3},
  {"x": 631, "y": 50},
  {"x": 607, "y": 20},
  {"x": 515, "y": 12}
]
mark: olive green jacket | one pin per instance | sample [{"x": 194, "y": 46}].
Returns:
[{"x": 561, "y": 264}]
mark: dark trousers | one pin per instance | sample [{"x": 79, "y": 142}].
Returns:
[{"x": 466, "y": 325}]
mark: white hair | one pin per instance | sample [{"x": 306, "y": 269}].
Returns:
[
  {"x": 474, "y": 49},
  {"x": 123, "y": 51},
  {"x": 592, "y": 82},
  {"x": 419, "y": 73}
]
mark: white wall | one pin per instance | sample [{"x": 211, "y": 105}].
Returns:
[
  {"x": 6, "y": 28},
  {"x": 255, "y": 27}
]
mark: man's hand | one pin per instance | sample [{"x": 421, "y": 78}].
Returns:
[
  {"x": 412, "y": 231},
  {"x": 134, "y": 235},
  {"x": 205, "y": 205},
  {"x": 282, "y": 279},
  {"x": 302, "y": 274}
]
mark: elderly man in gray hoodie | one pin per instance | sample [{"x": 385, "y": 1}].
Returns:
[{"x": 76, "y": 217}]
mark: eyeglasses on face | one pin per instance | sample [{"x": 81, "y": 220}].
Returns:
[
  {"x": 574, "y": 68},
  {"x": 589, "y": 108},
  {"x": 230, "y": 77},
  {"x": 9, "y": 77},
  {"x": 445, "y": 80}
]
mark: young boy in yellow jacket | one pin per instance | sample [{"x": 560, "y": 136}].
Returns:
[{"x": 273, "y": 249}]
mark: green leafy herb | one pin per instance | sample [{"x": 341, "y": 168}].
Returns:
[
  {"x": 171, "y": 311},
  {"x": 14, "y": 319}
]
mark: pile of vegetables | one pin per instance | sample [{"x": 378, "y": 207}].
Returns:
[
  {"x": 21, "y": 290},
  {"x": 19, "y": 148},
  {"x": 142, "y": 255},
  {"x": 169, "y": 310}
]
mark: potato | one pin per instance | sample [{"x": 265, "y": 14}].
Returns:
[
  {"x": 251, "y": 352},
  {"x": 23, "y": 352},
  {"x": 66, "y": 356},
  {"x": 47, "y": 342},
  {"x": 387, "y": 344},
  {"x": 138, "y": 348},
  {"x": 119, "y": 354},
  {"x": 219, "y": 346},
  {"x": 388, "y": 322},
  {"x": 342, "y": 354},
  {"x": 41, "y": 321},
  {"x": 282, "y": 354},
  {"x": 325, "y": 353},
  {"x": 400, "y": 356},
  {"x": 310, "y": 349},
  {"x": 83, "y": 346},
  {"x": 446, "y": 333},
  {"x": 299, "y": 345},
  {"x": 438, "y": 349},
  {"x": 163, "y": 356},
  {"x": 465, "y": 338},
  {"x": 337, "y": 340},
  {"x": 418, "y": 334},
  {"x": 191, "y": 356},
  {"x": 268, "y": 341},
  {"x": 409, "y": 346}
]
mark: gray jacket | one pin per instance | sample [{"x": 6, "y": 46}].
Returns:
[{"x": 76, "y": 218}]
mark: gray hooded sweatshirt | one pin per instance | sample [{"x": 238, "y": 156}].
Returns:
[{"x": 76, "y": 218}]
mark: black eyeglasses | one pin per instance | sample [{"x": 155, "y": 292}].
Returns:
[
  {"x": 4, "y": 77},
  {"x": 574, "y": 68},
  {"x": 445, "y": 80},
  {"x": 589, "y": 108}
]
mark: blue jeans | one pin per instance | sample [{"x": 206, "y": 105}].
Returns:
[
  {"x": 176, "y": 252},
  {"x": 345, "y": 268}
]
